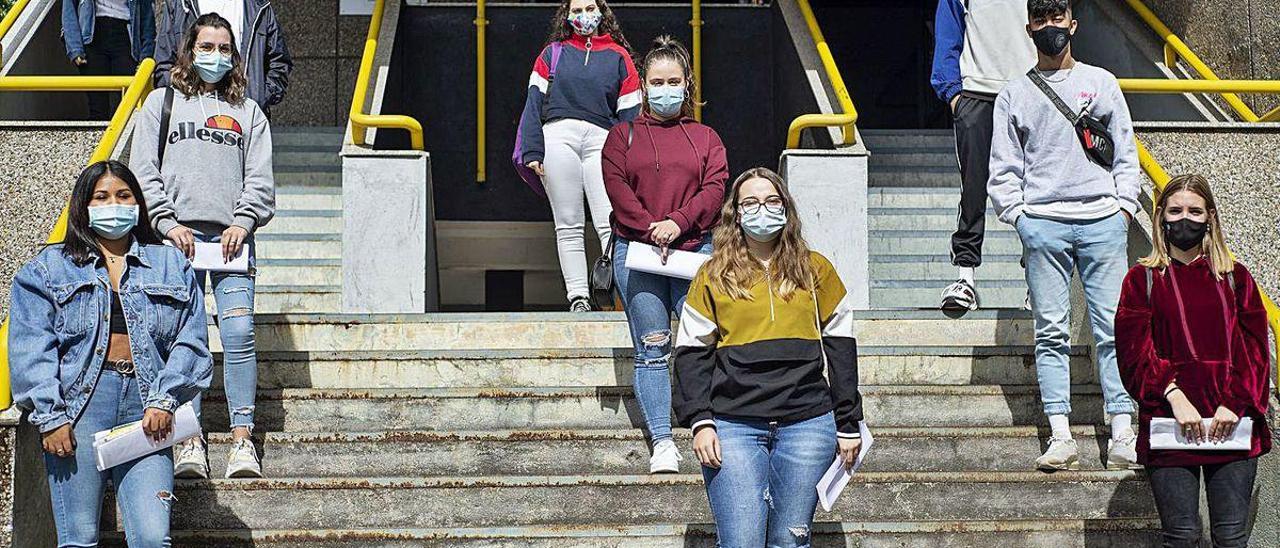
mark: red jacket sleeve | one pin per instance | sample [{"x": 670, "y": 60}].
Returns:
[
  {"x": 627, "y": 209},
  {"x": 703, "y": 209},
  {"x": 1250, "y": 356},
  {"x": 1145, "y": 374}
]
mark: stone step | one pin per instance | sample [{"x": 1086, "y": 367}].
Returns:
[
  {"x": 926, "y": 219},
  {"x": 930, "y": 242},
  {"x": 563, "y": 408},
  {"x": 908, "y": 138},
  {"x": 304, "y": 156},
  {"x": 541, "y": 368},
  {"x": 308, "y": 136},
  {"x": 914, "y": 197},
  {"x": 299, "y": 246},
  {"x": 604, "y": 452},
  {"x": 906, "y": 269},
  {"x": 294, "y": 272},
  {"x": 599, "y": 500},
  {"x": 291, "y": 299},
  {"x": 329, "y": 176},
  {"x": 308, "y": 198},
  {"x": 989, "y": 298},
  {"x": 914, "y": 176},
  {"x": 913, "y": 156},
  {"x": 305, "y": 221},
  {"x": 1049, "y": 533}
]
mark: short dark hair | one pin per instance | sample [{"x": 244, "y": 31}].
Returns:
[
  {"x": 1047, "y": 8},
  {"x": 81, "y": 242}
]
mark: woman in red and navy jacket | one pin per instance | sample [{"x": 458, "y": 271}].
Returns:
[
  {"x": 583, "y": 83},
  {"x": 1191, "y": 338}
]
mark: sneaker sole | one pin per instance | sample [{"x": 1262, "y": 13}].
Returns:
[
  {"x": 189, "y": 471},
  {"x": 1121, "y": 466},
  {"x": 654, "y": 471},
  {"x": 240, "y": 474},
  {"x": 957, "y": 306},
  {"x": 1070, "y": 466}
]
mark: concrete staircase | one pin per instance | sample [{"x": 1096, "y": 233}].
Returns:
[
  {"x": 521, "y": 430},
  {"x": 914, "y": 187}
]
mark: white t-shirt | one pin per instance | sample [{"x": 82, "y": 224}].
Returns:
[
  {"x": 115, "y": 9},
  {"x": 232, "y": 11}
]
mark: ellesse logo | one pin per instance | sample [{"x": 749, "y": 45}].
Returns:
[{"x": 219, "y": 130}]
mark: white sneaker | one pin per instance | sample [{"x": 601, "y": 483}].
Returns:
[
  {"x": 191, "y": 461},
  {"x": 580, "y": 304},
  {"x": 1122, "y": 454},
  {"x": 243, "y": 461},
  {"x": 1063, "y": 454},
  {"x": 960, "y": 295},
  {"x": 666, "y": 458}
]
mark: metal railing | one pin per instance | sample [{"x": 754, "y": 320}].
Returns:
[
  {"x": 481, "y": 109},
  {"x": 696, "y": 23},
  {"x": 9, "y": 19},
  {"x": 357, "y": 117},
  {"x": 845, "y": 121},
  {"x": 135, "y": 89}
]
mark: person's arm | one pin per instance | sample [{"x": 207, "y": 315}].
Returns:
[
  {"x": 257, "y": 203},
  {"x": 167, "y": 37},
  {"x": 148, "y": 21},
  {"x": 629, "y": 94},
  {"x": 72, "y": 35},
  {"x": 627, "y": 209},
  {"x": 1145, "y": 374},
  {"x": 189, "y": 367},
  {"x": 695, "y": 357},
  {"x": 144, "y": 162},
  {"x": 702, "y": 211},
  {"x": 1124, "y": 167},
  {"x": 839, "y": 347},
  {"x": 33, "y": 349},
  {"x": 1248, "y": 377},
  {"x": 279, "y": 63},
  {"x": 1007, "y": 160},
  {"x": 948, "y": 44},
  {"x": 531, "y": 145}
]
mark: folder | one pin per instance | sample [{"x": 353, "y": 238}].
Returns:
[
  {"x": 680, "y": 264},
  {"x": 836, "y": 478},
  {"x": 128, "y": 442},
  {"x": 209, "y": 257},
  {"x": 1166, "y": 434}
]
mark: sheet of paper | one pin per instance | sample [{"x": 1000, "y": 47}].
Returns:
[
  {"x": 128, "y": 442},
  {"x": 209, "y": 257},
  {"x": 680, "y": 264},
  {"x": 836, "y": 478},
  {"x": 1166, "y": 434}
]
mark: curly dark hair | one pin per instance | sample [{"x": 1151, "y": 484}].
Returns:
[
  {"x": 184, "y": 77},
  {"x": 1047, "y": 8},
  {"x": 561, "y": 30}
]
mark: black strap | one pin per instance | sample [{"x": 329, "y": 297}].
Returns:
[
  {"x": 1053, "y": 96},
  {"x": 166, "y": 113}
]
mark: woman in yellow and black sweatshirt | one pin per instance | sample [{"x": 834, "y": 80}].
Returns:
[{"x": 764, "y": 318}]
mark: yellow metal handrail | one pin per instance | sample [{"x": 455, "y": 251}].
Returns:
[
  {"x": 696, "y": 23},
  {"x": 361, "y": 121},
  {"x": 481, "y": 111},
  {"x": 135, "y": 89},
  {"x": 845, "y": 121},
  {"x": 9, "y": 19}
]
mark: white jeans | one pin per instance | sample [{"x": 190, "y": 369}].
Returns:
[{"x": 572, "y": 167}]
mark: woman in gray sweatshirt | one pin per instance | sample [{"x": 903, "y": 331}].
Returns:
[{"x": 202, "y": 152}]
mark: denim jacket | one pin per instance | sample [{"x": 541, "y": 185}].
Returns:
[
  {"x": 59, "y": 325},
  {"x": 77, "y": 27}
]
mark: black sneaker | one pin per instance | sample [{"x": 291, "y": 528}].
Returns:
[
  {"x": 580, "y": 304},
  {"x": 960, "y": 296}
]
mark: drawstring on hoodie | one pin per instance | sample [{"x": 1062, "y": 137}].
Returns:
[
  {"x": 657, "y": 158},
  {"x": 1186, "y": 329}
]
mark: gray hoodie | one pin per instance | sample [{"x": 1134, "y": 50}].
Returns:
[{"x": 217, "y": 164}]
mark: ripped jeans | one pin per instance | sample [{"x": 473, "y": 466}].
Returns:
[
  {"x": 765, "y": 491},
  {"x": 233, "y": 294},
  {"x": 144, "y": 487},
  {"x": 650, "y": 301}
]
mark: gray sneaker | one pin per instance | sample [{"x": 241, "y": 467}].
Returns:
[
  {"x": 243, "y": 461},
  {"x": 1063, "y": 454},
  {"x": 191, "y": 461},
  {"x": 1122, "y": 454}
]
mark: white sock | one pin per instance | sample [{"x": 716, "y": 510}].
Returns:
[
  {"x": 1121, "y": 426},
  {"x": 1060, "y": 426},
  {"x": 966, "y": 274}
]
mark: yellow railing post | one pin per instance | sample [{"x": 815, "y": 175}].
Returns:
[
  {"x": 481, "y": 23},
  {"x": 356, "y": 117},
  {"x": 696, "y": 23},
  {"x": 849, "y": 118}
]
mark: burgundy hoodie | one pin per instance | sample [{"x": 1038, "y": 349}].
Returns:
[{"x": 656, "y": 170}]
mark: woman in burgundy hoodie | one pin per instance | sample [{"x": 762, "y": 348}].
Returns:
[
  {"x": 1191, "y": 337},
  {"x": 665, "y": 176}
]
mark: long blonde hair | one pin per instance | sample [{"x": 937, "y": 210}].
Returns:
[
  {"x": 732, "y": 270},
  {"x": 1214, "y": 244}
]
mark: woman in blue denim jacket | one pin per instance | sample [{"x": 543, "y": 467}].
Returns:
[
  {"x": 107, "y": 38},
  {"x": 107, "y": 328}
]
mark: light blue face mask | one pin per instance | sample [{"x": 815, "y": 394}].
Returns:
[
  {"x": 212, "y": 66},
  {"x": 113, "y": 222},
  {"x": 665, "y": 101},
  {"x": 763, "y": 225}
]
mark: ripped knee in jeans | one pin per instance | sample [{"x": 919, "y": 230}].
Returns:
[{"x": 655, "y": 349}]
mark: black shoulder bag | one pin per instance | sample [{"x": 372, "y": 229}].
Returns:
[
  {"x": 1093, "y": 134},
  {"x": 602, "y": 270}
]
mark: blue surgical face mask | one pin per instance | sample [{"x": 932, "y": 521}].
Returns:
[
  {"x": 212, "y": 66},
  {"x": 763, "y": 225},
  {"x": 665, "y": 101},
  {"x": 585, "y": 23},
  {"x": 113, "y": 222}
]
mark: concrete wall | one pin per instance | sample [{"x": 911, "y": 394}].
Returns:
[{"x": 326, "y": 51}]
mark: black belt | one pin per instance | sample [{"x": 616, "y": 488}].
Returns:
[{"x": 123, "y": 367}]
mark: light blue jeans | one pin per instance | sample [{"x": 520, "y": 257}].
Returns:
[
  {"x": 1098, "y": 249},
  {"x": 651, "y": 301},
  {"x": 765, "y": 491},
  {"x": 233, "y": 294},
  {"x": 144, "y": 487}
]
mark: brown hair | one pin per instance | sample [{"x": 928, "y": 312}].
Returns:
[
  {"x": 1214, "y": 244},
  {"x": 184, "y": 77},
  {"x": 732, "y": 270},
  {"x": 667, "y": 48},
  {"x": 561, "y": 30}
]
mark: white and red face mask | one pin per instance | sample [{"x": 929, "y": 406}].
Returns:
[{"x": 585, "y": 23}]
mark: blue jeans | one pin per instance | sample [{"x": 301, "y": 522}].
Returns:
[
  {"x": 650, "y": 301},
  {"x": 765, "y": 491},
  {"x": 1098, "y": 248},
  {"x": 144, "y": 487},
  {"x": 233, "y": 294}
]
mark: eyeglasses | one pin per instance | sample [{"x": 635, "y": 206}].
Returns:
[
  {"x": 210, "y": 47},
  {"x": 773, "y": 204}
]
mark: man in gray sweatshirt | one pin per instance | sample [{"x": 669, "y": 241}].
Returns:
[{"x": 1072, "y": 214}]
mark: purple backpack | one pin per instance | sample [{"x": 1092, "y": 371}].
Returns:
[{"x": 529, "y": 176}]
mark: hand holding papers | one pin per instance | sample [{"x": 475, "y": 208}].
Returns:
[
  {"x": 680, "y": 264},
  {"x": 836, "y": 478},
  {"x": 1166, "y": 434},
  {"x": 209, "y": 257},
  {"x": 128, "y": 442}
]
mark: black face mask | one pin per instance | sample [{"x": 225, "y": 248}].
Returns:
[
  {"x": 1185, "y": 234},
  {"x": 1051, "y": 40}
]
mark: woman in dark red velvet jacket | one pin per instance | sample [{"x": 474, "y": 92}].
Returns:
[{"x": 1193, "y": 346}]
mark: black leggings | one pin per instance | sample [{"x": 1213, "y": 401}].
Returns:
[{"x": 1229, "y": 489}]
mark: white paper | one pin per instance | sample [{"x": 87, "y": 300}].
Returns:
[
  {"x": 209, "y": 257},
  {"x": 1166, "y": 434},
  {"x": 680, "y": 264},
  {"x": 128, "y": 442},
  {"x": 834, "y": 481}
]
